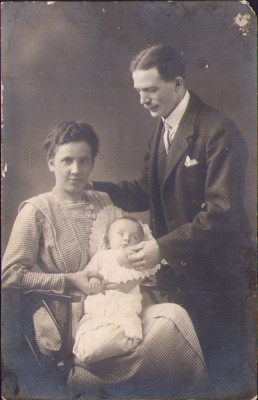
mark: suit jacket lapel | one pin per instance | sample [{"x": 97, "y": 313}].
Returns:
[{"x": 182, "y": 137}]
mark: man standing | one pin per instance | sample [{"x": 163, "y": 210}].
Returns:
[{"x": 193, "y": 185}]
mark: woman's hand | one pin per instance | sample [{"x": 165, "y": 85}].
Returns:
[
  {"x": 144, "y": 255},
  {"x": 96, "y": 285},
  {"x": 81, "y": 280}
]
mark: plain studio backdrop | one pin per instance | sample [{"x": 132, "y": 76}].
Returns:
[{"x": 70, "y": 61}]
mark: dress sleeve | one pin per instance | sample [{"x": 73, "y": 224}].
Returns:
[{"x": 21, "y": 256}]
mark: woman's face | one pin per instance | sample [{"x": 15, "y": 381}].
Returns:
[{"x": 72, "y": 165}]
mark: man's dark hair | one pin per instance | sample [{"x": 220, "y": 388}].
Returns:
[
  {"x": 71, "y": 131},
  {"x": 168, "y": 62}
]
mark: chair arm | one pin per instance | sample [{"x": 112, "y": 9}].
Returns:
[
  {"x": 36, "y": 299},
  {"x": 38, "y": 295}
]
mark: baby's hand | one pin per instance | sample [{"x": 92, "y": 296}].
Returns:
[{"x": 96, "y": 285}]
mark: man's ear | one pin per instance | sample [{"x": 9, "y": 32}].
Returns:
[
  {"x": 50, "y": 163},
  {"x": 106, "y": 241},
  {"x": 179, "y": 82}
]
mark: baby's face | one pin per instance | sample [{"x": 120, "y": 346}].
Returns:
[{"x": 123, "y": 233}]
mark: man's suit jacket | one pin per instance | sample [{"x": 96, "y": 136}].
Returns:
[{"x": 207, "y": 234}]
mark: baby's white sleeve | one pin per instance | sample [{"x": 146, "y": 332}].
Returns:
[{"x": 93, "y": 265}]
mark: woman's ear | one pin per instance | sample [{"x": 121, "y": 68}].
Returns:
[
  {"x": 106, "y": 242},
  {"x": 50, "y": 163}
]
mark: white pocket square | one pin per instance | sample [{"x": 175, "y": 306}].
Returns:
[{"x": 189, "y": 162}]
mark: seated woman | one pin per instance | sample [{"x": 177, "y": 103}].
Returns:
[{"x": 50, "y": 245}]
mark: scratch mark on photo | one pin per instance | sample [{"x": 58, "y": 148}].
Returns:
[{"x": 9, "y": 44}]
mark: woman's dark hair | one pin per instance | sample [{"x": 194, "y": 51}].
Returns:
[
  {"x": 168, "y": 62},
  {"x": 71, "y": 131}
]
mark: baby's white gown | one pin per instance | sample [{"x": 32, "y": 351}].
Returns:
[{"x": 111, "y": 325}]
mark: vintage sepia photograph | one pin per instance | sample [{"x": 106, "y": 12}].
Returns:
[{"x": 128, "y": 200}]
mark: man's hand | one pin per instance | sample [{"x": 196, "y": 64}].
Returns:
[
  {"x": 144, "y": 255},
  {"x": 81, "y": 280}
]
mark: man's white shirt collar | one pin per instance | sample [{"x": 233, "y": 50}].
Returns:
[{"x": 176, "y": 115}]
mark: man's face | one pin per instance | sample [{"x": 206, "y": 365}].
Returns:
[{"x": 156, "y": 95}]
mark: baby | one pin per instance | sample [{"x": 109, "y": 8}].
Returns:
[{"x": 111, "y": 325}]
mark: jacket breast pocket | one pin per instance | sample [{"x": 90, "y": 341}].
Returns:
[
  {"x": 195, "y": 177},
  {"x": 195, "y": 169}
]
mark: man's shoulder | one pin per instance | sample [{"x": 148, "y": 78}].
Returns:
[
  {"x": 210, "y": 113},
  {"x": 210, "y": 121}
]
